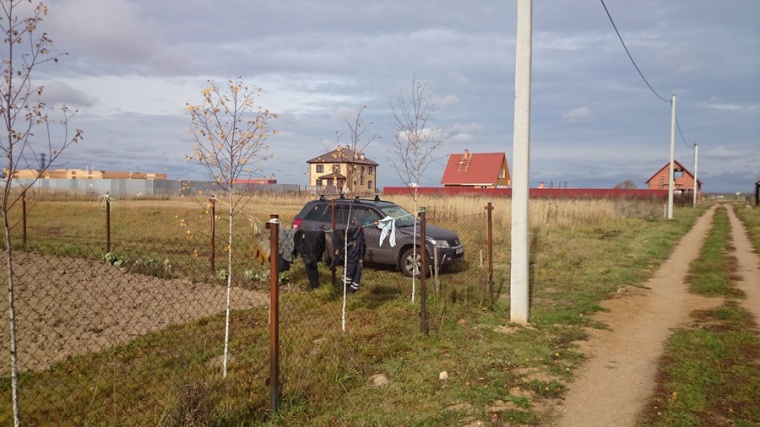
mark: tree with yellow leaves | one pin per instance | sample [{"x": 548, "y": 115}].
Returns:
[{"x": 230, "y": 132}]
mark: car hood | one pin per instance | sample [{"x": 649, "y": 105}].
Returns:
[{"x": 431, "y": 232}]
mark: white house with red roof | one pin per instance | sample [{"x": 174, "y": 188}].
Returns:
[{"x": 477, "y": 170}]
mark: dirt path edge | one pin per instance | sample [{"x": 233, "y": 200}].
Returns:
[{"x": 611, "y": 388}]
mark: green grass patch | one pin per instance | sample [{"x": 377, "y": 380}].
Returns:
[
  {"x": 710, "y": 374},
  {"x": 496, "y": 372},
  {"x": 750, "y": 217},
  {"x": 710, "y": 273}
]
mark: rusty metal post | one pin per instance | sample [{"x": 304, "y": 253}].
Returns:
[
  {"x": 274, "y": 312},
  {"x": 212, "y": 256},
  {"x": 108, "y": 223},
  {"x": 489, "y": 243},
  {"x": 332, "y": 224},
  {"x": 23, "y": 215},
  {"x": 423, "y": 272}
]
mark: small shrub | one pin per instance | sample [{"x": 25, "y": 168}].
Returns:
[
  {"x": 152, "y": 266},
  {"x": 114, "y": 259},
  {"x": 250, "y": 275}
]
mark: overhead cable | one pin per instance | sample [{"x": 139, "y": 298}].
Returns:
[
  {"x": 629, "y": 53},
  {"x": 678, "y": 125}
]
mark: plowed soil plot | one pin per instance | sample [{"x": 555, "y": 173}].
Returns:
[{"x": 67, "y": 306}]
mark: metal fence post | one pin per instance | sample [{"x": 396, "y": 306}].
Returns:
[
  {"x": 108, "y": 224},
  {"x": 332, "y": 224},
  {"x": 23, "y": 215},
  {"x": 489, "y": 209},
  {"x": 212, "y": 256},
  {"x": 423, "y": 272},
  {"x": 274, "y": 313}
]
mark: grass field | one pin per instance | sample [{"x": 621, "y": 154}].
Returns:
[{"x": 581, "y": 252}]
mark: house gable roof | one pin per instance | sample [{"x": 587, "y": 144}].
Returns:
[
  {"x": 342, "y": 155},
  {"x": 474, "y": 168},
  {"x": 677, "y": 166}
]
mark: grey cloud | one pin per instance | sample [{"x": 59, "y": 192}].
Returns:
[
  {"x": 56, "y": 93},
  {"x": 590, "y": 107}
]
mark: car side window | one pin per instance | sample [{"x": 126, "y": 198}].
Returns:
[
  {"x": 364, "y": 216},
  {"x": 320, "y": 213}
]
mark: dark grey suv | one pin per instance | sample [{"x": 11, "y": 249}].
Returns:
[{"x": 318, "y": 215}]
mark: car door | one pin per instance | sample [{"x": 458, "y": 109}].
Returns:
[
  {"x": 363, "y": 216},
  {"x": 375, "y": 253}
]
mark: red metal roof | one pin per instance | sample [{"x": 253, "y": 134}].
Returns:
[{"x": 474, "y": 169}]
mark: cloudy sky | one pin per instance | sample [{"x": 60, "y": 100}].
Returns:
[{"x": 132, "y": 66}]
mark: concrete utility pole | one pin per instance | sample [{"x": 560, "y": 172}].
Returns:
[
  {"x": 671, "y": 174},
  {"x": 519, "y": 280},
  {"x": 696, "y": 164}
]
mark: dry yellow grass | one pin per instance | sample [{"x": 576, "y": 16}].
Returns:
[{"x": 543, "y": 212}]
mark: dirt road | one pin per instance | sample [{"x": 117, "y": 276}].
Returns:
[{"x": 612, "y": 386}]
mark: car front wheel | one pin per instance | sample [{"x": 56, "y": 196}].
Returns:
[{"x": 411, "y": 262}]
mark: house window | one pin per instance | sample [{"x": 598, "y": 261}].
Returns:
[
  {"x": 320, "y": 168},
  {"x": 502, "y": 174},
  {"x": 336, "y": 168},
  {"x": 369, "y": 172},
  {"x": 319, "y": 183},
  {"x": 369, "y": 185}
]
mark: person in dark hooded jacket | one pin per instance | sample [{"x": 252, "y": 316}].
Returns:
[{"x": 310, "y": 245}]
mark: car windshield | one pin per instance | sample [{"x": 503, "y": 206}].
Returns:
[{"x": 402, "y": 216}]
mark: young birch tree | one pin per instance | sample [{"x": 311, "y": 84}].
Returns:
[
  {"x": 230, "y": 132},
  {"x": 25, "y": 48},
  {"x": 353, "y": 153},
  {"x": 415, "y": 139}
]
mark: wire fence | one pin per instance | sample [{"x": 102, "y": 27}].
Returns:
[{"x": 120, "y": 310}]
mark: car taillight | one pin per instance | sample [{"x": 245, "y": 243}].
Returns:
[{"x": 296, "y": 223}]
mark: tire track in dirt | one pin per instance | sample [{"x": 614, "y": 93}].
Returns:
[
  {"x": 748, "y": 267},
  {"x": 612, "y": 386}
]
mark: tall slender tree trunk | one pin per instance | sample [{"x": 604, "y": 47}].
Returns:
[
  {"x": 229, "y": 287},
  {"x": 11, "y": 313}
]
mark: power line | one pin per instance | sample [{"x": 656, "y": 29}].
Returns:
[
  {"x": 629, "y": 53},
  {"x": 642, "y": 74},
  {"x": 678, "y": 125}
]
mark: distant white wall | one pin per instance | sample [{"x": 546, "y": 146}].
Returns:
[{"x": 142, "y": 187}]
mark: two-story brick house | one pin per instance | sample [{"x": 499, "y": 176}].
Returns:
[{"x": 343, "y": 170}]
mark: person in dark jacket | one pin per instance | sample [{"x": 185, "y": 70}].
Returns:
[
  {"x": 355, "y": 250},
  {"x": 286, "y": 247},
  {"x": 310, "y": 245}
]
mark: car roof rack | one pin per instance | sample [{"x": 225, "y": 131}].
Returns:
[
  {"x": 341, "y": 196},
  {"x": 325, "y": 196}
]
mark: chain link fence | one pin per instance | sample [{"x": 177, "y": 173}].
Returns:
[{"x": 121, "y": 308}]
